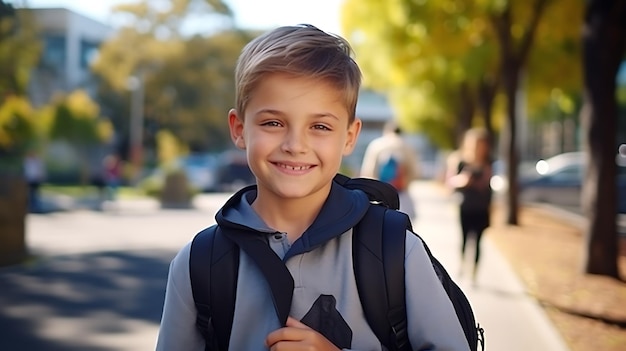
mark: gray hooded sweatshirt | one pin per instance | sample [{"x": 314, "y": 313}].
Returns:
[{"x": 321, "y": 264}]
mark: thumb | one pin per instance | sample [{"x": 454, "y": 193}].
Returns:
[{"x": 292, "y": 322}]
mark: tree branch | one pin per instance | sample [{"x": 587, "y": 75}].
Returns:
[{"x": 529, "y": 35}]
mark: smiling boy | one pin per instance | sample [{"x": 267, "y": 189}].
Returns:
[{"x": 297, "y": 91}]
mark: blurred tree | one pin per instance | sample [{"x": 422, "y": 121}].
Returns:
[
  {"x": 19, "y": 50},
  {"x": 169, "y": 149},
  {"x": 76, "y": 119},
  {"x": 194, "y": 90},
  {"x": 430, "y": 55},
  {"x": 604, "y": 42},
  {"x": 19, "y": 132},
  {"x": 188, "y": 80},
  {"x": 444, "y": 61},
  {"x": 518, "y": 27}
]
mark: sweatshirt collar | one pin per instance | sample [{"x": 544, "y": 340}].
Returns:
[{"x": 341, "y": 211}]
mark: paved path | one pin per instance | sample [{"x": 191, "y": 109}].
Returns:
[
  {"x": 97, "y": 280},
  {"x": 511, "y": 318}
]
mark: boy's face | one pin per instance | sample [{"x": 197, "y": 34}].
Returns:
[{"x": 295, "y": 131}]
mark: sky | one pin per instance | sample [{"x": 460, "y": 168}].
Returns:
[{"x": 251, "y": 14}]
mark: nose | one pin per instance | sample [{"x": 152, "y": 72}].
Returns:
[{"x": 295, "y": 142}]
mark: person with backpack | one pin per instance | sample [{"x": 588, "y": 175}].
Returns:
[
  {"x": 393, "y": 160},
  {"x": 469, "y": 174},
  {"x": 283, "y": 263}
]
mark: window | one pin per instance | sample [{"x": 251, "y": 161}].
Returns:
[
  {"x": 88, "y": 52},
  {"x": 54, "y": 56}
]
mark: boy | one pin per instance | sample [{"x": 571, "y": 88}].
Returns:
[{"x": 297, "y": 91}]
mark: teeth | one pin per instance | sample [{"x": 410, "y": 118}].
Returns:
[{"x": 300, "y": 168}]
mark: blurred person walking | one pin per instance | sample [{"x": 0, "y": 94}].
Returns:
[
  {"x": 469, "y": 172},
  {"x": 391, "y": 159},
  {"x": 112, "y": 169},
  {"x": 35, "y": 173}
]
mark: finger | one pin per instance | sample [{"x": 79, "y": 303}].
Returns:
[
  {"x": 285, "y": 345},
  {"x": 292, "y": 322},
  {"x": 284, "y": 334}
]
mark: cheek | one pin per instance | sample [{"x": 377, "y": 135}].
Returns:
[
  {"x": 336, "y": 147},
  {"x": 261, "y": 143}
]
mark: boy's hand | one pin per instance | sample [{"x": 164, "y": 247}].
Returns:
[{"x": 298, "y": 336}]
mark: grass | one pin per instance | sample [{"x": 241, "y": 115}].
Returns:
[{"x": 86, "y": 191}]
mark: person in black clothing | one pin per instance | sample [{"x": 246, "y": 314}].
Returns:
[{"x": 470, "y": 174}]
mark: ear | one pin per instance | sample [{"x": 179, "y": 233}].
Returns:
[
  {"x": 354, "y": 129},
  {"x": 235, "y": 124}
]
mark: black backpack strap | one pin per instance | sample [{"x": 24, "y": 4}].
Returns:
[
  {"x": 377, "y": 191},
  {"x": 214, "y": 258},
  {"x": 380, "y": 239},
  {"x": 378, "y": 254},
  {"x": 271, "y": 266}
]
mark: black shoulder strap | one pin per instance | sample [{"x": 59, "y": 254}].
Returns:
[
  {"x": 272, "y": 267},
  {"x": 214, "y": 258},
  {"x": 377, "y": 191},
  {"x": 378, "y": 254}
]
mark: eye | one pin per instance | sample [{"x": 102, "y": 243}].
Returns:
[
  {"x": 321, "y": 127},
  {"x": 271, "y": 124}
]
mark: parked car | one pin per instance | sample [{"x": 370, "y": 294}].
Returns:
[
  {"x": 499, "y": 181},
  {"x": 559, "y": 181},
  {"x": 232, "y": 171},
  {"x": 201, "y": 170}
]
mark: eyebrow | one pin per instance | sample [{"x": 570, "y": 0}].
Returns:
[{"x": 280, "y": 113}]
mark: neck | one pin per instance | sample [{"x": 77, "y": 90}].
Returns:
[{"x": 291, "y": 216}]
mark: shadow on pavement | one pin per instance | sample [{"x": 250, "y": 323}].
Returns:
[
  {"x": 500, "y": 292},
  {"x": 66, "y": 302}
]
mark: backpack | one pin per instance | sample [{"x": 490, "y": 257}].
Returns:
[
  {"x": 392, "y": 171},
  {"x": 378, "y": 265}
]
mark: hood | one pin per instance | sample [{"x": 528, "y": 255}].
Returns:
[{"x": 341, "y": 211}]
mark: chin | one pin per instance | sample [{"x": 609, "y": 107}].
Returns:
[
  {"x": 296, "y": 192},
  {"x": 293, "y": 193}
]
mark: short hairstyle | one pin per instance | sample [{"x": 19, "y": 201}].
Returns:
[{"x": 302, "y": 51}]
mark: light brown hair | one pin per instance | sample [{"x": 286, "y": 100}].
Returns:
[
  {"x": 302, "y": 51},
  {"x": 471, "y": 138}
]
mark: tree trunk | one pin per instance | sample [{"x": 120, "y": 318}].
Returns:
[
  {"x": 511, "y": 80},
  {"x": 13, "y": 209},
  {"x": 486, "y": 95},
  {"x": 513, "y": 54},
  {"x": 465, "y": 112},
  {"x": 603, "y": 48}
]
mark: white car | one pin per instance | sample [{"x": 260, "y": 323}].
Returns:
[{"x": 559, "y": 182}]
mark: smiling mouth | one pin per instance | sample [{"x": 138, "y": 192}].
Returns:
[{"x": 293, "y": 168}]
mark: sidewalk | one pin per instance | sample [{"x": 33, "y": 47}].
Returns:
[
  {"x": 512, "y": 320},
  {"x": 98, "y": 281}
]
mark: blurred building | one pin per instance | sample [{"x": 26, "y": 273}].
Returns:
[{"x": 70, "y": 42}]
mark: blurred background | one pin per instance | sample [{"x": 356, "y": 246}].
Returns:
[{"x": 109, "y": 99}]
